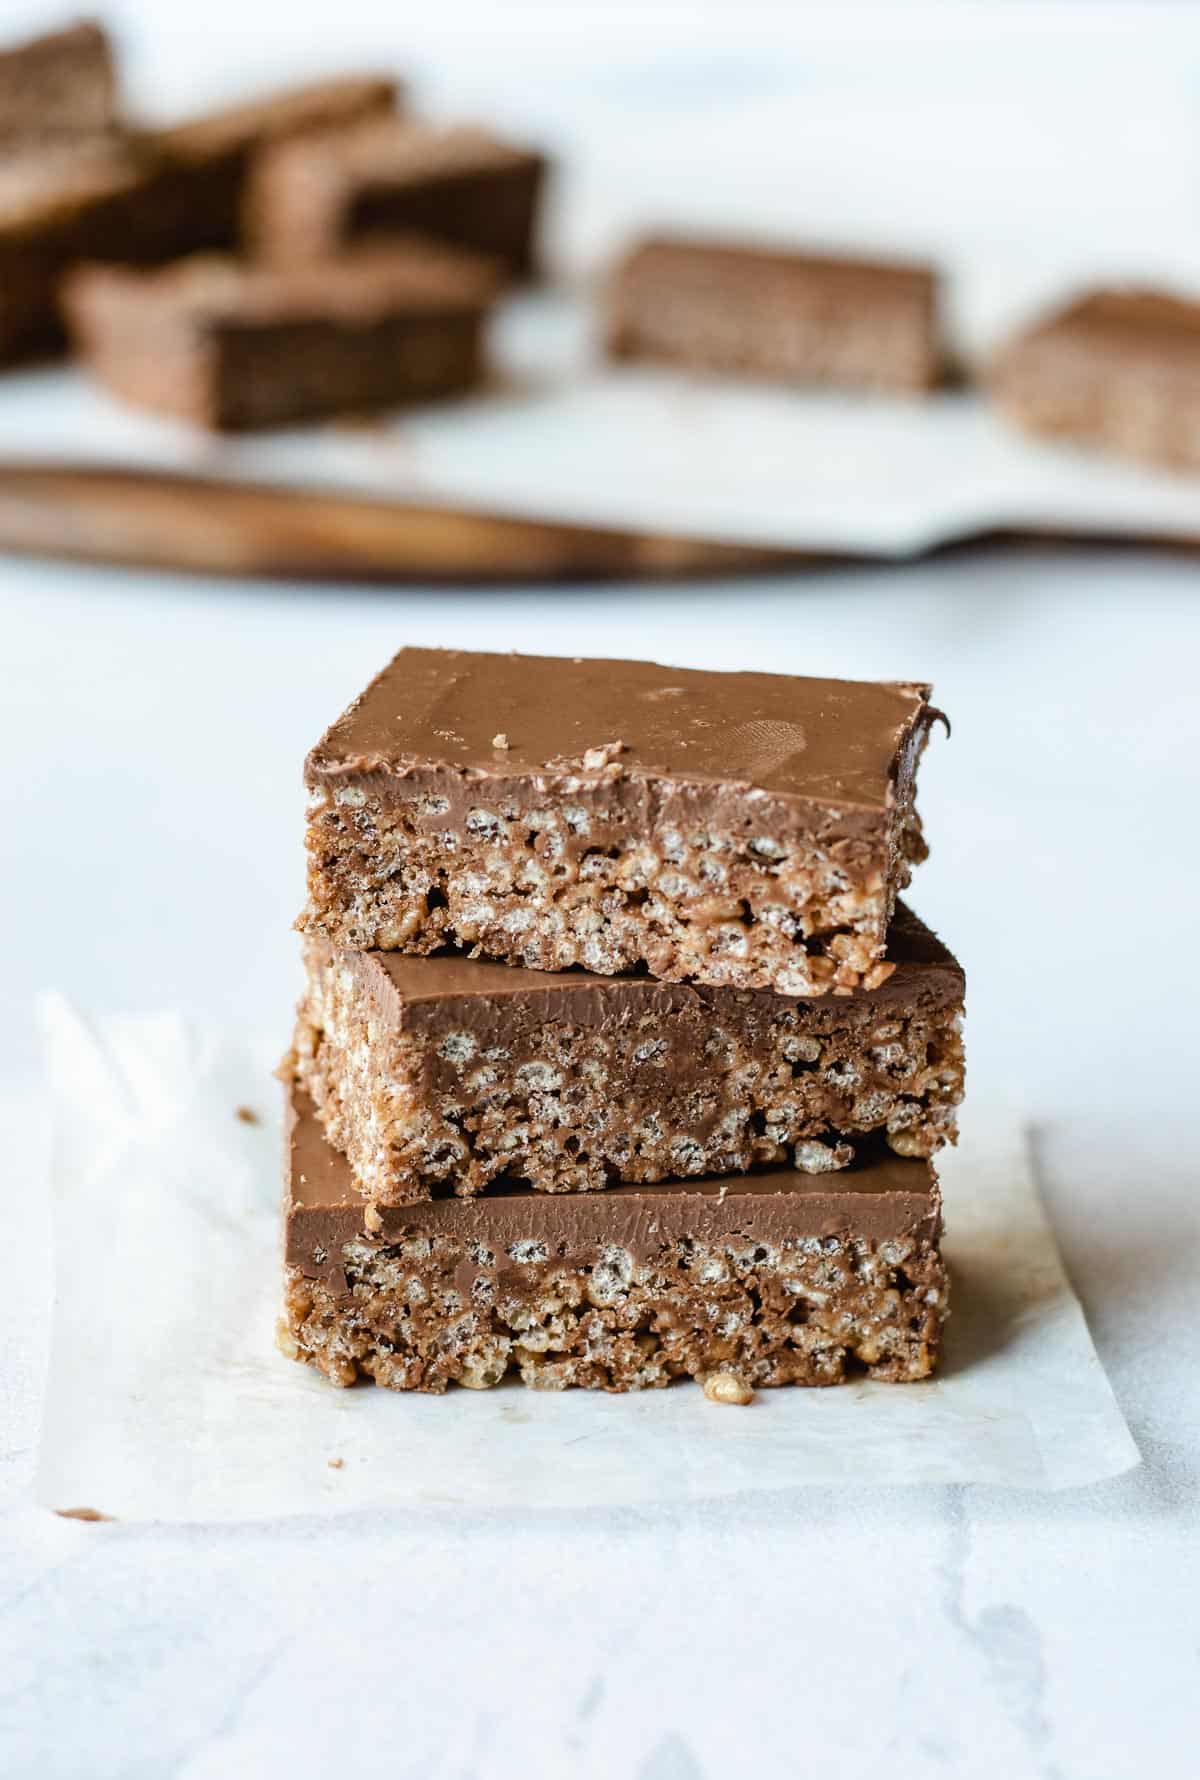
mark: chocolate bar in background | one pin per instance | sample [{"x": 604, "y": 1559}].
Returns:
[
  {"x": 143, "y": 201},
  {"x": 231, "y": 346},
  {"x": 449, "y": 1073},
  {"x": 56, "y": 209},
  {"x": 758, "y": 1280},
  {"x": 769, "y": 313},
  {"x": 1118, "y": 369},
  {"x": 204, "y": 163},
  {"x": 58, "y": 90},
  {"x": 310, "y": 198}
]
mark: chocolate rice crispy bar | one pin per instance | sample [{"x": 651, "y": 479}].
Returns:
[
  {"x": 748, "y": 831},
  {"x": 750, "y": 1281},
  {"x": 448, "y": 1073}
]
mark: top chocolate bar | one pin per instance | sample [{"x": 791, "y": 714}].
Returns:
[
  {"x": 58, "y": 88},
  {"x": 1115, "y": 368},
  {"x": 204, "y": 164},
  {"x": 143, "y": 199},
  {"x": 740, "y": 829},
  {"x": 389, "y": 176}
]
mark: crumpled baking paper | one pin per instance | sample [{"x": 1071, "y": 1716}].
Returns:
[{"x": 167, "y": 1399}]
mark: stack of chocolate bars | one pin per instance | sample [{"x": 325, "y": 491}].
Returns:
[
  {"x": 618, "y": 1059},
  {"x": 315, "y": 251}
]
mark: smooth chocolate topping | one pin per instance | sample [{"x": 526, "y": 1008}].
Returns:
[
  {"x": 1132, "y": 314},
  {"x": 838, "y": 743},
  {"x": 320, "y": 105},
  {"x": 415, "y": 276},
  {"x": 438, "y": 994},
  {"x": 754, "y": 264},
  {"x": 394, "y": 150},
  {"x": 323, "y": 1209},
  {"x": 1146, "y": 329}
]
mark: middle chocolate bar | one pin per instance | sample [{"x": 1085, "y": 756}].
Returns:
[{"x": 443, "y": 1074}]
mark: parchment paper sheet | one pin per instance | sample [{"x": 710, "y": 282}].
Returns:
[
  {"x": 562, "y": 436},
  {"x": 167, "y": 1400}
]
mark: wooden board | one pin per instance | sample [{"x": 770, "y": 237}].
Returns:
[
  {"x": 157, "y": 519},
  {"x": 162, "y": 520}
]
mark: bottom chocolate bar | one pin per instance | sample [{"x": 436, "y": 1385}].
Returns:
[{"x": 778, "y": 1278}]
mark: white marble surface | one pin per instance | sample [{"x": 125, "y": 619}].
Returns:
[{"x": 151, "y": 733}]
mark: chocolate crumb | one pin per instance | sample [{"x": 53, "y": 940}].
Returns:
[
  {"x": 357, "y": 420},
  {"x": 335, "y": 1464},
  {"x": 247, "y": 1115},
  {"x": 604, "y": 755},
  {"x": 82, "y": 1514},
  {"x": 727, "y": 1387}
]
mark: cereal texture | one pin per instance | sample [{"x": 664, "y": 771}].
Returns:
[
  {"x": 746, "y": 831},
  {"x": 649, "y": 1084},
  {"x": 575, "y": 882},
  {"x": 431, "y": 1311}
]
